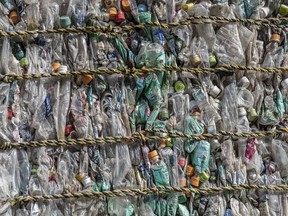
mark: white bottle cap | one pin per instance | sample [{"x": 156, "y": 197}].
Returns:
[
  {"x": 63, "y": 69},
  {"x": 244, "y": 82},
  {"x": 215, "y": 91}
]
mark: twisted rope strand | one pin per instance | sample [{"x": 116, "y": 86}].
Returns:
[
  {"x": 113, "y": 30},
  {"x": 137, "y": 136},
  {"x": 138, "y": 192},
  {"x": 125, "y": 71}
]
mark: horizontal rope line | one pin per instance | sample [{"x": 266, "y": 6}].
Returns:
[
  {"x": 226, "y": 68},
  {"x": 113, "y": 30},
  {"x": 138, "y": 192},
  {"x": 89, "y": 29},
  {"x": 136, "y": 136}
]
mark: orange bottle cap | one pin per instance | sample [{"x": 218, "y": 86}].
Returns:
[
  {"x": 194, "y": 181},
  {"x": 55, "y": 66},
  {"x": 189, "y": 170},
  {"x": 183, "y": 182},
  {"x": 275, "y": 38},
  {"x": 112, "y": 13},
  {"x": 126, "y": 5},
  {"x": 14, "y": 17},
  {"x": 86, "y": 79},
  {"x": 152, "y": 154}
]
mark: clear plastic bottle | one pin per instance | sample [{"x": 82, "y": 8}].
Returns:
[
  {"x": 79, "y": 13},
  {"x": 159, "y": 169}
]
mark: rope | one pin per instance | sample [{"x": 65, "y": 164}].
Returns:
[
  {"x": 113, "y": 30},
  {"x": 136, "y": 136},
  {"x": 89, "y": 29},
  {"x": 125, "y": 71},
  {"x": 137, "y": 192}
]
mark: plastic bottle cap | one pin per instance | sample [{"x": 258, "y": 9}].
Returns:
[
  {"x": 86, "y": 181},
  {"x": 24, "y": 62},
  {"x": 152, "y": 154},
  {"x": 275, "y": 38},
  {"x": 120, "y": 17},
  {"x": 179, "y": 86},
  {"x": 126, "y": 5},
  {"x": 145, "y": 17},
  {"x": 244, "y": 82},
  {"x": 195, "y": 60},
  {"x": 10, "y": 114},
  {"x": 204, "y": 176},
  {"x": 68, "y": 129},
  {"x": 182, "y": 162},
  {"x": 163, "y": 115},
  {"x": 63, "y": 69},
  {"x": 194, "y": 181},
  {"x": 187, "y": 7},
  {"x": 79, "y": 177},
  {"x": 169, "y": 142},
  {"x": 55, "y": 66},
  {"x": 11, "y": 29},
  {"x": 65, "y": 21},
  {"x": 189, "y": 170},
  {"x": 212, "y": 60},
  {"x": 215, "y": 91},
  {"x": 252, "y": 115},
  {"x": 142, "y": 8},
  {"x": 112, "y": 13},
  {"x": 14, "y": 17},
  {"x": 34, "y": 171},
  {"x": 264, "y": 12},
  {"x": 86, "y": 79},
  {"x": 283, "y": 10}
]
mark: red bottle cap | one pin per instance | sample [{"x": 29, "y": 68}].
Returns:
[
  {"x": 10, "y": 114},
  {"x": 68, "y": 129},
  {"x": 120, "y": 17}
]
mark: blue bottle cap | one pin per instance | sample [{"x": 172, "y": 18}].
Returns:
[{"x": 142, "y": 8}]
